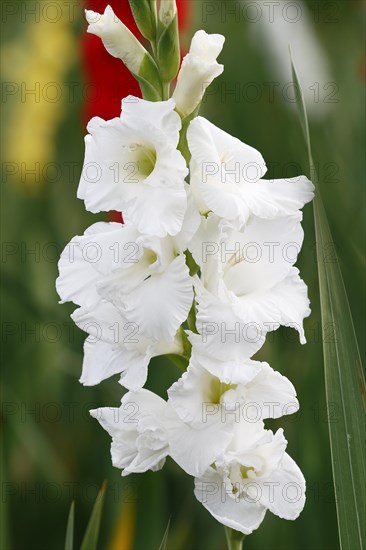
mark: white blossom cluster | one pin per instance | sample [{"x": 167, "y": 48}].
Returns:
[{"x": 202, "y": 270}]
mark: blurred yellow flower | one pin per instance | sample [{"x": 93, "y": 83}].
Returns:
[{"x": 35, "y": 65}]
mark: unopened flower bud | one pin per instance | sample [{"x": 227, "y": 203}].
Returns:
[
  {"x": 119, "y": 41},
  {"x": 168, "y": 48},
  {"x": 199, "y": 68},
  {"x": 144, "y": 13}
]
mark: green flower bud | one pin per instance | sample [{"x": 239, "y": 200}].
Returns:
[
  {"x": 144, "y": 13},
  {"x": 168, "y": 48}
]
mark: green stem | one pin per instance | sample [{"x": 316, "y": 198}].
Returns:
[
  {"x": 166, "y": 90},
  {"x": 165, "y": 85},
  {"x": 234, "y": 539},
  {"x": 183, "y": 144}
]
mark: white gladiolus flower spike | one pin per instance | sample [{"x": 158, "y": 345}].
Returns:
[
  {"x": 134, "y": 292},
  {"x": 201, "y": 270},
  {"x": 132, "y": 165},
  {"x": 117, "y": 39},
  {"x": 249, "y": 285},
  {"x": 254, "y": 475},
  {"x": 199, "y": 68},
  {"x": 226, "y": 178},
  {"x": 139, "y": 437}
]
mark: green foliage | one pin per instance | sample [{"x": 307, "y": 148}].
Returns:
[
  {"x": 344, "y": 380},
  {"x": 164, "y": 540},
  {"x": 90, "y": 539},
  {"x": 69, "y": 539}
]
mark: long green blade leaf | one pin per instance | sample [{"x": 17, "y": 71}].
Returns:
[
  {"x": 90, "y": 539},
  {"x": 344, "y": 378},
  {"x": 69, "y": 539},
  {"x": 165, "y": 537}
]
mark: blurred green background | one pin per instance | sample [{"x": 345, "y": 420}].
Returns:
[{"x": 52, "y": 452}]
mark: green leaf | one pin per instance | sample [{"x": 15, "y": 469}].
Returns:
[
  {"x": 4, "y": 531},
  {"x": 165, "y": 537},
  {"x": 69, "y": 539},
  {"x": 90, "y": 539},
  {"x": 344, "y": 379}
]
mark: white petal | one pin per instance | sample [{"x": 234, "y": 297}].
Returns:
[
  {"x": 208, "y": 142},
  {"x": 123, "y": 447},
  {"x": 118, "y": 40},
  {"x": 228, "y": 371},
  {"x": 263, "y": 253},
  {"x": 157, "y": 210},
  {"x": 126, "y": 423},
  {"x": 206, "y": 46},
  {"x": 205, "y": 249},
  {"x": 102, "y": 360},
  {"x": 77, "y": 279},
  {"x": 157, "y": 113},
  {"x": 104, "y": 322},
  {"x": 273, "y": 394},
  {"x": 162, "y": 302},
  {"x": 191, "y": 223},
  {"x": 146, "y": 460},
  {"x": 193, "y": 448},
  {"x": 291, "y": 295},
  {"x": 186, "y": 395},
  {"x": 248, "y": 436},
  {"x": 282, "y": 197},
  {"x": 115, "y": 341},
  {"x": 219, "y": 165},
  {"x": 284, "y": 494},
  {"x": 136, "y": 359},
  {"x": 239, "y": 514},
  {"x": 199, "y": 68},
  {"x": 226, "y": 178},
  {"x": 224, "y": 335},
  {"x": 223, "y": 200},
  {"x": 81, "y": 262}
]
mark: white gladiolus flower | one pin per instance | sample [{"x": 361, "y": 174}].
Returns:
[
  {"x": 118, "y": 40},
  {"x": 139, "y": 436},
  {"x": 226, "y": 178},
  {"x": 212, "y": 397},
  {"x": 199, "y": 68},
  {"x": 132, "y": 165},
  {"x": 249, "y": 285},
  {"x": 254, "y": 475},
  {"x": 145, "y": 429},
  {"x": 134, "y": 292}
]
